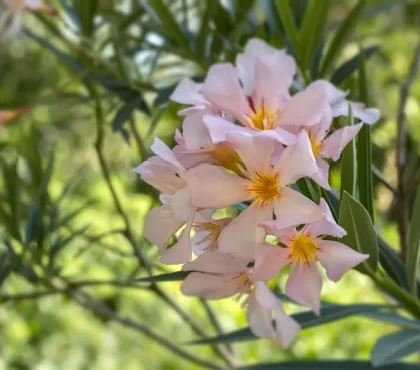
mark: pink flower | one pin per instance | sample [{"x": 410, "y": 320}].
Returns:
[
  {"x": 326, "y": 146},
  {"x": 263, "y": 182},
  {"x": 221, "y": 275},
  {"x": 340, "y": 106},
  {"x": 166, "y": 174},
  {"x": 10, "y": 20},
  {"x": 303, "y": 249}
]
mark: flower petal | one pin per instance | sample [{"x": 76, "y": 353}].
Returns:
[
  {"x": 297, "y": 161},
  {"x": 219, "y": 128},
  {"x": 255, "y": 151},
  {"x": 213, "y": 187},
  {"x": 222, "y": 89},
  {"x": 207, "y": 286},
  {"x": 188, "y": 92},
  {"x": 321, "y": 177},
  {"x": 181, "y": 204},
  {"x": 293, "y": 209},
  {"x": 159, "y": 225},
  {"x": 334, "y": 144},
  {"x": 269, "y": 260},
  {"x": 195, "y": 132},
  {"x": 275, "y": 228},
  {"x": 162, "y": 150},
  {"x": 304, "y": 285},
  {"x": 286, "y": 328},
  {"x": 242, "y": 235},
  {"x": 259, "y": 319},
  {"x": 337, "y": 258},
  {"x": 217, "y": 263},
  {"x": 305, "y": 108}
]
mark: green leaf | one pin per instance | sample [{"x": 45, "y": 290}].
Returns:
[
  {"x": 348, "y": 165},
  {"x": 341, "y": 37},
  {"x": 413, "y": 251},
  {"x": 125, "y": 112},
  {"x": 306, "y": 188},
  {"x": 325, "y": 365},
  {"x": 172, "y": 276},
  {"x": 312, "y": 30},
  {"x": 390, "y": 348},
  {"x": 285, "y": 13},
  {"x": 361, "y": 234},
  {"x": 307, "y": 319},
  {"x": 343, "y": 72},
  {"x": 299, "y": 10},
  {"x": 160, "y": 13},
  {"x": 204, "y": 32},
  {"x": 86, "y": 11},
  {"x": 393, "y": 318},
  {"x": 364, "y": 149}
]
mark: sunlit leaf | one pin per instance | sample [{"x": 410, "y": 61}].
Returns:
[{"x": 361, "y": 234}]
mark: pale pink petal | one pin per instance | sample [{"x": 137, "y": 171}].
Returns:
[
  {"x": 273, "y": 78},
  {"x": 162, "y": 150},
  {"x": 217, "y": 263},
  {"x": 222, "y": 89},
  {"x": 187, "y": 92},
  {"x": 259, "y": 319},
  {"x": 334, "y": 95},
  {"x": 278, "y": 134},
  {"x": 192, "y": 110},
  {"x": 304, "y": 285},
  {"x": 275, "y": 228},
  {"x": 286, "y": 327},
  {"x": 297, "y": 161},
  {"x": 269, "y": 260},
  {"x": 208, "y": 286},
  {"x": 335, "y": 143},
  {"x": 255, "y": 151},
  {"x": 293, "y": 209},
  {"x": 321, "y": 177},
  {"x": 242, "y": 235},
  {"x": 305, "y": 108},
  {"x": 219, "y": 128},
  {"x": 319, "y": 130},
  {"x": 195, "y": 132},
  {"x": 338, "y": 258},
  {"x": 213, "y": 187},
  {"x": 159, "y": 225},
  {"x": 359, "y": 111},
  {"x": 181, "y": 204}
]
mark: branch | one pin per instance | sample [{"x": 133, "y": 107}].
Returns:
[
  {"x": 84, "y": 300},
  {"x": 401, "y": 151},
  {"x": 380, "y": 177}
]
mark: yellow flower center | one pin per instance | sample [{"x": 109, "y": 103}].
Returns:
[
  {"x": 242, "y": 282},
  {"x": 316, "y": 146},
  {"x": 303, "y": 248},
  {"x": 265, "y": 188},
  {"x": 264, "y": 119},
  {"x": 226, "y": 157},
  {"x": 213, "y": 231}
]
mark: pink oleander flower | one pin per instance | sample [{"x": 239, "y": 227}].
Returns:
[
  {"x": 166, "y": 174},
  {"x": 340, "y": 106},
  {"x": 221, "y": 275},
  {"x": 263, "y": 182},
  {"x": 326, "y": 146},
  {"x": 7, "y": 115},
  {"x": 302, "y": 249},
  {"x": 10, "y": 20}
]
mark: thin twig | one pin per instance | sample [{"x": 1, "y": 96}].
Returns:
[
  {"x": 401, "y": 152},
  {"x": 380, "y": 177},
  {"x": 86, "y": 301}
]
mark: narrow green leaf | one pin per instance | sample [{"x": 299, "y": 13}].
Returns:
[
  {"x": 413, "y": 252},
  {"x": 341, "y": 37},
  {"x": 364, "y": 149},
  {"x": 204, "y": 32},
  {"x": 325, "y": 365},
  {"x": 361, "y": 234},
  {"x": 125, "y": 112},
  {"x": 390, "y": 348},
  {"x": 172, "y": 276},
  {"x": 307, "y": 319},
  {"x": 299, "y": 11},
  {"x": 86, "y": 11},
  {"x": 312, "y": 30},
  {"x": 161, "y": 14},
  {"x": 343, "y": 72},
  {"x": 348, "y": 165},
  {"x": 395, "y": 319},
  {"x": 307, "y": 189},
  {"x": 285, "y": 13}
]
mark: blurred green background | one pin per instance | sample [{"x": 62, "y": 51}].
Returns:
[{"x": 57, "y": 333}]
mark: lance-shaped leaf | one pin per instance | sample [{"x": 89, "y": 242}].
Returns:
[
  {"x": 413, "y": 252},
  {"x": 86, "y": 11},
  {"x": 361, "y": 234},
  {"x": 285, "y": 13},
  {"x": 391, "y": 348},
  {"x": 348, "y": 165}
]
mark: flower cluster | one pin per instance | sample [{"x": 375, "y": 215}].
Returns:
[
  {"x": 10, "y": 19},
  {"x": 246, "y": 140}
]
